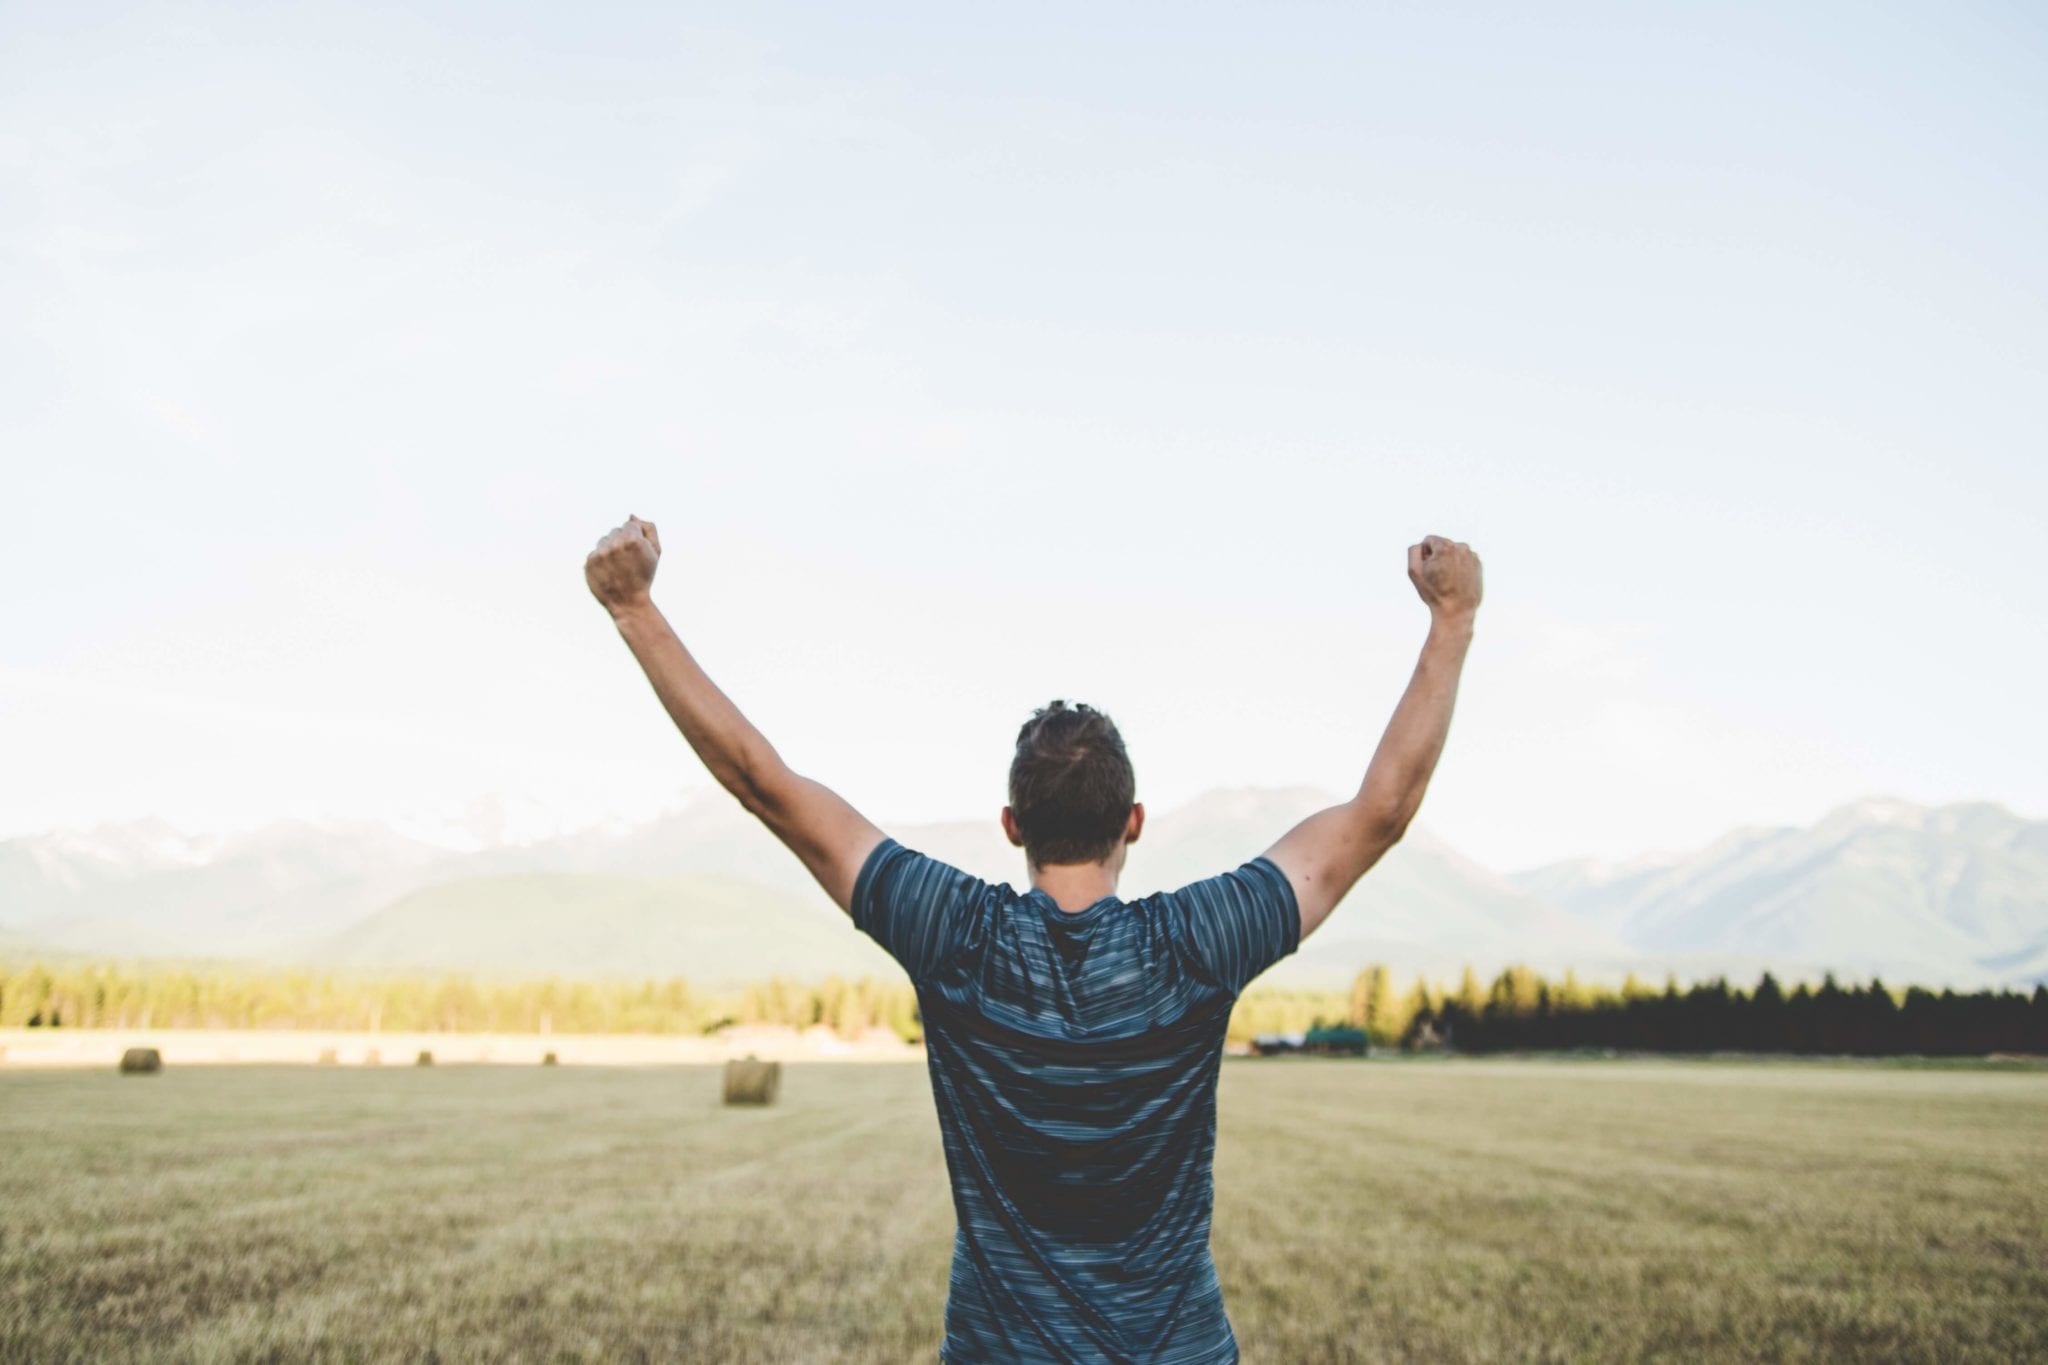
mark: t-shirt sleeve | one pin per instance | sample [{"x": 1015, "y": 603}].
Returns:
[
  {"x": 1234, "y": 926},
  {"x": 923, "y": 911}
]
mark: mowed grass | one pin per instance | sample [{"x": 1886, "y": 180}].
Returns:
[{"x": 1365, "y": 1211}]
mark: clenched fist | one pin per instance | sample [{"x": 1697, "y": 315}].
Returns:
[
  {"x": 1446, "y": 573},
  {"x": 621, "y": 569}
]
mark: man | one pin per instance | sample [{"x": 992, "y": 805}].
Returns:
[{"x": 1073, "y": 1038}]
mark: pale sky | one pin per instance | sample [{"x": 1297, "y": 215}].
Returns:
[{"x": 971, "y": 359}]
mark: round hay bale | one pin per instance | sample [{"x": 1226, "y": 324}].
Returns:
[
  {"x": 749, "y": 1080},
  {"x": 141, "y": 1061},
  {"x": 425, "y": 1058},
  {"x": 329, "y": 1057},
  {"x": 549, "y": 1059},
  {"x": 372, "y": 1057}
]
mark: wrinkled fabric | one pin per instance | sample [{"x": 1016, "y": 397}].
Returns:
[{"x": 1073, "y": 1061}]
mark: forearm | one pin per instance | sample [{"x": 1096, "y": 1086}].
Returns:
[
  {"x": 1327, "y": 853},
  {"x": 742, "y": 761},
  {"x": 832, "y": 838},
  {"x": 1407, "y": 755}
]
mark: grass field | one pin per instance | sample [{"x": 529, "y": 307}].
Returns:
[{"x": 1365, "y": 1211}]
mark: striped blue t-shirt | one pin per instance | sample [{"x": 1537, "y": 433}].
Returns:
[{"x": 1073, "y": 1061}]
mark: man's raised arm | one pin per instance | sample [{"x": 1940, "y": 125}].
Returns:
[
  {"x": 830, "y": 836},
  {"x": 1327, "y": 853}
]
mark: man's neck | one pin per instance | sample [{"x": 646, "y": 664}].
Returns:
[{"x": 1076, "y": 886}]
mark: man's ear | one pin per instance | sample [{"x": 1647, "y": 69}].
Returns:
[
  {"x": 1136, "y": 826},
  {"x": 1016, "y": 836}
]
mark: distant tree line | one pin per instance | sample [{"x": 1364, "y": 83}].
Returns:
[
  {"x": 100, "y": 996},
  {"x": 1519, "y": 1010},
  {"x": 1522, "y": 1010}
]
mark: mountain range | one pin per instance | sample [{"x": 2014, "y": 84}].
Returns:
[
  {"x": 1935, "y": 895},
  {"x": 1951, "y": 895}
]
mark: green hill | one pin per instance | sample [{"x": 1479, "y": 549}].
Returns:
[
  {"x": 709, "y": 896},
  {"x": 713, "y": 932}
]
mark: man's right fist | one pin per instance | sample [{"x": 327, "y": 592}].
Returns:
[
  {"x": 1446, "y": 574},
  {"x": 621, "y": 569}
]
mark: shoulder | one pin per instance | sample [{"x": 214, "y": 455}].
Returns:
[
  {"x": 1231, "y": 926},
  {"x": 895, "y": 877},
  {"x": 894, "y": 860},
  {"x": 1259, "y": 879},
  {"x": 928, "y": 914}
]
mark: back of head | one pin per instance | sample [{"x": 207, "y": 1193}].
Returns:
[{"x": 1071, "y": 785}]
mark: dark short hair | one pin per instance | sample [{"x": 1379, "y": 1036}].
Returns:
[{"x": 1071, "y": 785}]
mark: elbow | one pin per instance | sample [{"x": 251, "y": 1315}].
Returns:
[
  {"x": 761, "y": 789},
  {"x": 754, "y": 797},
  {"x": 1384, "y": 826}
]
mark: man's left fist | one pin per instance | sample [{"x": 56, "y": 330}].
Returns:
[{"x": 621, "y": 569}]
